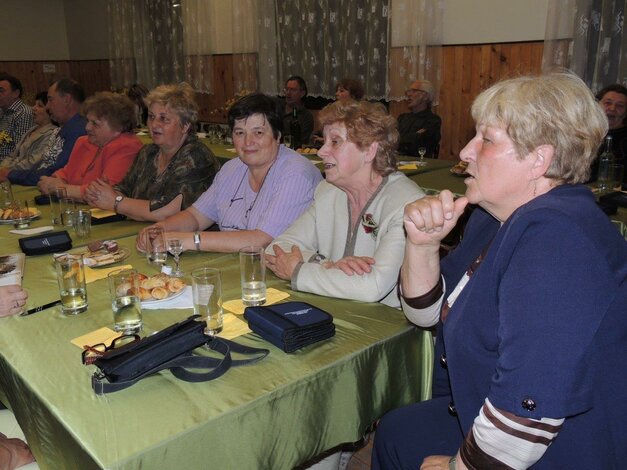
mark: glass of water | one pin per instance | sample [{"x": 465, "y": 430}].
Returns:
[
  {"x": 422, "y": 151},
  {"x": 207, "y": 293},
  {"x": 71, "y": 280},
  {"x": 125, "y": 304},
  {"x": 156, "y": 248},
  {"x": 253, "y": 275}
]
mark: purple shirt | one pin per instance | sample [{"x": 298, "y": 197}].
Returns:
[{"x": 286, "y": 192}]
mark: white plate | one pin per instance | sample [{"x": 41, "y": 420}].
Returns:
[{"x": 153, "y": 302}]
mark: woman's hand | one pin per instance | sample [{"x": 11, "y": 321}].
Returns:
[
  {"x": 100, "y": 194},
  {"x": 12, "y": 300},
  {"x": 436, "y": 462},
  {"x": 430, "y": 219},
  {"x": 283, "y": 263},
  {"x": 141, "y": 242},
  {"x": 351, "y": 265},
  {"x": 47, "y": 183}
]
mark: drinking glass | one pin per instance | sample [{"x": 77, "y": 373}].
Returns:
[
  {"x": 56, "y": 196},
  {"x": 207, "y": 293},
  {"x": 81, "y": 222},
  {"x": 6, "y": 195},
  {"x": 287, "y": 141},
  {"x": 68, "y": 205},
  {"x": 125, "y": 303},
  {"x": 71, "y": 280},
  {"x": 156, "y": 248},
  {"x": 253, "y": 275},
  {"x": 175, "y": 246},
  {"x": 421, "y": 152},
  {"x": 21, "y": 214}
]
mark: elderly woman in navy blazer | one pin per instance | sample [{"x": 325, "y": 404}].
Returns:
[{"x": 532, "y": 304}]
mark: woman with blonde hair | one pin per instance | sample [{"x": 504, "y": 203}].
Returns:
[
  {"x": 531, "y": 304},
  {"x": 349, "y": 243},
  {"x": 168, "y": 174}
]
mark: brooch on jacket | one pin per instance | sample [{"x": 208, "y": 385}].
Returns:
[{"x": 369, "y": 225}]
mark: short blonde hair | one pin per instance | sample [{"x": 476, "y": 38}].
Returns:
[
  {"x": 178, "y": 97},
  {"x": 556, "y": 109},
  {"x": 366, "y": 123}
]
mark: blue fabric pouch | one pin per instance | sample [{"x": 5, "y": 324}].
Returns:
[{"x": 290, "y": 325}]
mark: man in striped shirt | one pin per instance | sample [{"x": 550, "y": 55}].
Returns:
[{"x": 16, "y": 117}]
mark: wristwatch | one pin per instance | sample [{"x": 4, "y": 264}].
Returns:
[
  {"x": 197, "y": 240},
  {"x": 118, "y": 199}
]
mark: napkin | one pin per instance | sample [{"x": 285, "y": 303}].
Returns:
[
  {"x": 102, "y": 335},
  {"x": 101, "y": 213},
  {"x": 408, "y": 166},
  {"x": 272, "y": 296},
  {"x": 232, "y": 327},
  {"x": 33, "y": 231},
  {"x": 185, "y": 300},
  {"x": 92, "y": 275}
]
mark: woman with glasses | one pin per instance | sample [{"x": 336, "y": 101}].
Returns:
[
  {"x": 255, "y": 196},
  {"x": 167, "y": 175}
]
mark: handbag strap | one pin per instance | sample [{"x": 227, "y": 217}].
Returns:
[{"x": 178, "y": 366}]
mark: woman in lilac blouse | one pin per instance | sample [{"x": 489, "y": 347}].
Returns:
[{"x": 255, "y": 196}]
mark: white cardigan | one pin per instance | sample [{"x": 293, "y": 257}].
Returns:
[{"x": 323, "y": 231}]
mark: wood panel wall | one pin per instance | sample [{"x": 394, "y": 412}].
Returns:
[{"x": 466, "y": 71}]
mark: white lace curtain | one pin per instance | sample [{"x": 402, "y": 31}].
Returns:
[
  {"x": 384, "y": 43},
  {"x": 586, "y": 36}
]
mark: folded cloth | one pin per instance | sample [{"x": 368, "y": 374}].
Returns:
[
  {"x": 290, "y": 325},
  {"x": 33, "y": 231},
  {"x": 92, "y": 275},
  {"x": 184, "y": 300}
]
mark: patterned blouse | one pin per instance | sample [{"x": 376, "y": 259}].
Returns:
[{"x": 190, "y": 172}]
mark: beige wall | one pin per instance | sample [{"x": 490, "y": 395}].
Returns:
[
  {"x": 87, "y": 29},
  {"x": 488, "y": 21},
  {"x": 33, "y": 30},
  {"x": 77, "y": 29}
]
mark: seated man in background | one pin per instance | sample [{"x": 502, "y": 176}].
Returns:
[
  {"x": 16, "y": 117},
  {"x": 295, "y": 90},
  {"x": 420, "y": 127},
  {"x": 65, "y": 97},
  {"x": 30, "y": 149}
]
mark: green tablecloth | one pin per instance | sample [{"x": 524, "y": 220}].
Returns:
[{"x": 275, "y": 414}]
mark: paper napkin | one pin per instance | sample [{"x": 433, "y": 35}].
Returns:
[
  {"x": 233, "y": 327},
  {"x": 103, "y": 335},
  {"x": 272, "y": 296},
  {"x": 92, "y": 275},
  {"x": 33, "y": 231},
  {"x": 101, "y": 213}
]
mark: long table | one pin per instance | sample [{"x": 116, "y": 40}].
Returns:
[{"x": 275, "y": 414}]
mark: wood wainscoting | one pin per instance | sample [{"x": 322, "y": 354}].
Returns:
[{"x": 466, "y": 71}]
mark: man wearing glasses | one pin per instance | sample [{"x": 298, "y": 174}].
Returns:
[
  {"x": 295, "y": 90},
  {"x": 420, "y": 127}
]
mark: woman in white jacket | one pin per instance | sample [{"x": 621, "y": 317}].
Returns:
[{"x": 349, "y": 243}]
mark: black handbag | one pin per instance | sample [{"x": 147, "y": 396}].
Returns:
[{"x": 171, "y": 348}]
